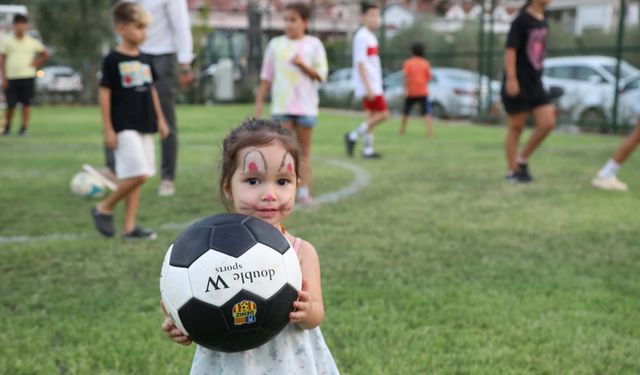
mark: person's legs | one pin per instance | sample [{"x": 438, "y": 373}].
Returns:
[
  {"x": 125, "y": 187},
  {"x": 426, "y": 112},
  {"x": 515, "y": 126},
  {"x": 606, "y": 177},
  {"x": 304, "y": 139},
  {"x": 408, "y": 103},
  {"x": 131, "y": 204},
  {"x": 165, "y": 66},
  {"x": 428, "y": 120},
  {"x": 26, "y": 113},
  {"x": 544, "y": 118},
  {"x": 10, "y": 96},
  {"x": 8, "y": 118}
]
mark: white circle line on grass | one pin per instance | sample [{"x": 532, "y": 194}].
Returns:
[{"x": 361, "y": 178}]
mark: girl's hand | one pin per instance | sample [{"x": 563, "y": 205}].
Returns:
[
  {"x": 512, "y": 87},
  {"x": 171, "y": 330},
  {"x": 301, "y": 305},
  {"x": 110, "y": 138},
  {"x": 297, "y": 61},
  {"x": 163, "y": 128}
]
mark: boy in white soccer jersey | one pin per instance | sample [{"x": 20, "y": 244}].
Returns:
[{"x": 367, "y": 80}]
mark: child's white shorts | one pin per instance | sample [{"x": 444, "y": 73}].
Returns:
[{"x": 135, "y": 155}]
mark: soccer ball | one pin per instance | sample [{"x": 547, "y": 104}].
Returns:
[
  {"x": 85, "y": 185},
  {"x": 229, "y": 282}
]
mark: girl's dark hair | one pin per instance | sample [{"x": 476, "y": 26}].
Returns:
[
  {"x": 303, "y": 10},
  {"x": 253, "y": 132},
  {"x": 365, "y": 5},
  {"x": 417, "y": 49}
]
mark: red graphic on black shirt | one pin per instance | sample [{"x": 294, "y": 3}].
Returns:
[{"x": 536, "y": 47}]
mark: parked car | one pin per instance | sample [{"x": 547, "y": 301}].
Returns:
[
  {"x": 588, "y": 83},
  {"x": 338, "y": 89},
  {"x": 58, "y": 83},
  {"x": 452, "y": 92}
]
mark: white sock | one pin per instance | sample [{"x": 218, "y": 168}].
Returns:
[
  {"x": 303, "y": 192},
  {"x": 362, "y": 129},
  {"x": 368, "y": 141},
  {"x": 521, "y": 160},
  {"x": 609, "y": 169}
]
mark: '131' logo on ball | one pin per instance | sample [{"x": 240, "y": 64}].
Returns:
[{"x": 244, "y": 312}]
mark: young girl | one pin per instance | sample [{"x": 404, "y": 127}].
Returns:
[
  {"x": 294, "y": 64},
  {"x": 259, "y": 176},
  {"x": 522, "y": 89}
]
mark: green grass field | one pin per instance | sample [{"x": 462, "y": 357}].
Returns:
[{"x": 438, "y": 266}]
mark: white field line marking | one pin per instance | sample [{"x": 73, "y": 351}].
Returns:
[{"x": 361, "y": 178}]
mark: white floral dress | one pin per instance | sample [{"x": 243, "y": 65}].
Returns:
[{"x": 292, "y": 351}]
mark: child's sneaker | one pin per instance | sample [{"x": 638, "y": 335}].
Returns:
[
  {"x": 103, "y": 222},
  {"x": 140, "y": 234},
  {"x": 23, "y": 132},
  {"x": 307, "y": 201},
  {"x": 523, "y": 173},
  {"x": 6, "y": 131},
  {"x": 609, "y": 183},
  {"x": 349, "y": 144},
  {"x": 166, "y": 188},
  {"x": 372, "y": 155}
]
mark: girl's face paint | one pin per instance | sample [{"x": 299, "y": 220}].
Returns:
[
  {"x": 254, "y": 162},
  {"x": 266, "y": 185}
]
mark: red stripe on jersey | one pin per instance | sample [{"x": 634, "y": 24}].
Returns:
[{"x": 372, "y": 51}]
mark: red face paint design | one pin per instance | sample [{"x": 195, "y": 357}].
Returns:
[
  {"x": 287, "y": 164},
  {"x": 254, "y": 162}
]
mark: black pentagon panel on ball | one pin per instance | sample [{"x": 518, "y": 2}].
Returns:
[
  {"x": 204, "y": 322},
  {"x": 190, "y": 245},
  {"x": 267, "y": 234},
  {"x": 231, "y": 239},
  {"x": 280, "y": 305}
]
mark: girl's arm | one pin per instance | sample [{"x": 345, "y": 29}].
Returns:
[
  {"x": 162, "y": 122},
  {"x": 511, "y": 79},
  {"x": 309, "y": 308},
  {"x": 307, "y": 70},
  {"x": 263, "y": 89},
  {"x": 104, "y": 98}
]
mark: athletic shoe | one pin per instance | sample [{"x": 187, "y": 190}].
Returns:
[
  {"x": 523, "y": 173},
  {"x": 6, "y": 131},
  {"x": 140, "y": 234},
  {"x": 166, "y": 188},
  {"x": 609, "y": 183},
  {"x": 512, "y": 177},
  {"x": 373, "y": 155},
  {"x": 23, "y": 132},
  {"x": 105, "y": 176},
  {"x": 103, "y": 222},
  {"x": 306, "y": 201},
  {"x": 349, "y": 144}
]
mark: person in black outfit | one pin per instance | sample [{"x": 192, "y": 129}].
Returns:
[{"x": 522, "y": 89}]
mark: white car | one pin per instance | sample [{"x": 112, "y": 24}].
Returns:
[
  {"x": 453, "y": 92},
  {"x": 60, "y": 82},
  {"x": 338, "y": 89},
  {"x": 588, "y": 83}
]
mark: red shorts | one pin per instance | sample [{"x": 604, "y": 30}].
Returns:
[{"x": 376, "y": 105}]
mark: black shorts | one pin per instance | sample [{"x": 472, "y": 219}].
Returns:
[
  {"x": 20, "y": 91},
  {"x": 425, "y": 104},
  {"x": 524, "y": 102}
]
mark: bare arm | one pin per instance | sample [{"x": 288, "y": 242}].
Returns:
[
  {"x": 42, "y": 57},
  {"x": 263, "y": 89},
  {"x": 511, "y": 79},
  {"x": 309, "y": 71},
  {"x": 162, "y": 122},
  {"x": 309, "y": 307},
  {"x": 3, "y": 71},
  {"x": 104, "y": 98},
  {"x": 363, "y": 74}
]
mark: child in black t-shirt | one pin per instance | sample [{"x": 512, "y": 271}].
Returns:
[
  {"x": 131, "y": 113},
  {"x": 522, "y": 89}
]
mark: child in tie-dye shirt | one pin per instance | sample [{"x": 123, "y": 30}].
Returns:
[{"x": 294, "y": 65}]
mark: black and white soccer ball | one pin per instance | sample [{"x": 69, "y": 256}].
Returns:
[{"x": 229, "y": 282}]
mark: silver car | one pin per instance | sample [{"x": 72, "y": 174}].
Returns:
[
  {"x": 58, "y": 83},
  {"x": 588, "y": 83},
  {"x": 453, "y": 92}
]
